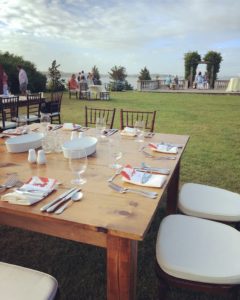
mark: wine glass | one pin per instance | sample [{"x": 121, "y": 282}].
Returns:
[
  {"x": 115, "y": 153},
  {"x": 78, "y": 164},
  {"x": 140, "y": 128}
]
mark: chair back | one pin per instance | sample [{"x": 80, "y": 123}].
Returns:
[
  {"x": 91, "y": 115},
  {"x": 34, "y": 105},
  {"x": 55, "y": 103},
  {"x": 8, "y": 110},
  {"x": 129, "y": 117},
  {"x": 83, "y": 86}
]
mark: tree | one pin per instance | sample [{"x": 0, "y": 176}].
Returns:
[
  {"x": 55, "y": 83},
  {"x": 118, "y": 73},
  {"x": 192, "y": 60},
  {"x": 36, "y": 80},
  {"x": 96, "y": 75},
  {"x": 213, "y": 60},
  {"x": 144, "y": 74}
]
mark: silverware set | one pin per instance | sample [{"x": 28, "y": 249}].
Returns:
[
  {"x": 122, "y": 190},
  {"x": 108, "y": 132},
  {"x": 56, "y": 203}
]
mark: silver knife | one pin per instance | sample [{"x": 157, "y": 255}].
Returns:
[
  {"x": 56, "y": 205},
  {"x": 155, "y": 170},
  {"x": 45, "y": 207}
]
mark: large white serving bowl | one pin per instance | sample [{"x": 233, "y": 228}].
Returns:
[
  {"x": 24, "y": 142},
  {"x": 88, "y": 143}
]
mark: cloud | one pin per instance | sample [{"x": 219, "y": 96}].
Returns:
[{"x": 128, "y": 30}]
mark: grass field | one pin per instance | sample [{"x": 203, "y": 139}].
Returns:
[{"x": 211, "y": 157}]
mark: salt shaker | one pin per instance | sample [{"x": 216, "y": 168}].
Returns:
[
  {"x": 32, "y": 157},
  {"x": 41, "y": 158},
  {"x": 80, "y": 135}
]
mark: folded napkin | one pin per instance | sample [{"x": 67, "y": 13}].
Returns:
[
  {"x": 129, "y": 131},
  {"x": 16, "y": 131},
  {"x": 163, "y": 148},
  {"x": 142, "y": 178},
  {"x": 71, "y": 126},
  {"x": 31, "y": 192}
]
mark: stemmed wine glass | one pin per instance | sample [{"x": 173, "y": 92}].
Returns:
[
  {"x": 140, "y": 128},
  {"x": 78, "y": 164}
]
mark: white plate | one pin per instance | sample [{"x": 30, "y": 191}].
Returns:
[
  {"x": 71, "y": 126},
  {"x": 88, "y": 143},
  {"x": 24, "y": 142}
]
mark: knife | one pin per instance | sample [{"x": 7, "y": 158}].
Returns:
[
  {"x": 45, "y": 207},
  {"x": 154, "y": 170},
  {"x": 53, "y": 207}
]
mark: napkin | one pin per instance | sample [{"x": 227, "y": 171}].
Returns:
[
  {"x": 71, "y": 126},
  {"x": 31, "y": 192},
  {"x": 163, "y": 148},
  {"x": 16, "y": 131},
  {"x": 142, "y": 178},
  {"x": 129, "y": 131}
]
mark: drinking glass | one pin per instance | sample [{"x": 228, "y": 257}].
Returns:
[
  {"x": 78, "y": 164},
  {"x": 140, "y": 128},
  {"x": 115, "y": 153},
  {"x": 100, "y": 126},
  {"x": 45, "y": 121}
]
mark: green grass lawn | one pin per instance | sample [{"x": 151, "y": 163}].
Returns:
[{"x": 211, "y": 157}]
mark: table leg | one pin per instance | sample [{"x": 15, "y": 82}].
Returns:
[
  {"x": 121, "y": 268},
  {"x": 172, "y": 192}
]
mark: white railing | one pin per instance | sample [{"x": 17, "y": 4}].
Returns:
[{"x": 148, "y": 85}]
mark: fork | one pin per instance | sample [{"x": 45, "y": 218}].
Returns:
[
  {"x": 123, "y": 190},
  {"x": 10, "y": 182},
  {"x": 118, "y": 172}
]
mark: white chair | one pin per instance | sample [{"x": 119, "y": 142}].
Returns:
[
  {"x": 198, "y": 254},
  {"x": 19, "y": 283},
  {"x": 209, "y": 202}
]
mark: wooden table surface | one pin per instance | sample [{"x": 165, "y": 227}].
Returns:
[{"x": 104, "y": 217}]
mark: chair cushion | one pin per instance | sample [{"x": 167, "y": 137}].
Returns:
[
  {"x": 20, "y": 283},
  {"x": 8, "y": 125},
  {"x": 31, "y": 118},
  {"x": 209, "y": 202},
  {"x": 199, "y": 250}
]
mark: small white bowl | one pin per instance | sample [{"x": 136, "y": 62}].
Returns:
[
  {"x": 24, "y": 142},
  {"x": 88, "y": 143}
]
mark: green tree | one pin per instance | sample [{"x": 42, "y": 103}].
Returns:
[
  {"x": 55, "y": 83},
  {"x": 213, "y": 60},
  {"x": 192, "y": 60},
  {"x": 96, "y": 75},
  {"x": 118, "y": 73},
  {"x": 144, "y": 74},
  {"x": 36, "y": 80}
]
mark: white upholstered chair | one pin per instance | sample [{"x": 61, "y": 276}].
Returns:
[
  {"x": 198, "y": 254},
  {"x": 209, "y": 202},
  {"x": 19, "y": 283}
]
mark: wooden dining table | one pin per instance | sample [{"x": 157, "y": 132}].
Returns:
[{"x": 104, "y": 217}]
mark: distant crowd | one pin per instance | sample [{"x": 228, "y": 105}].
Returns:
[{"x": 75, "y": 82}]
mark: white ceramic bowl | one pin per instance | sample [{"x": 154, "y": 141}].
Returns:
[
  {"x": 88, "y": 143},
  {"x": 24, "y": 142}
]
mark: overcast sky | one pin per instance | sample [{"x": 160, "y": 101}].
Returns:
[{"x": 131, "y": 33}]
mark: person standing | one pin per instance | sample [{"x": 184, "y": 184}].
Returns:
[
  {"x": 5, "y": 83},
  {"x": 23, "y": 80}
]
